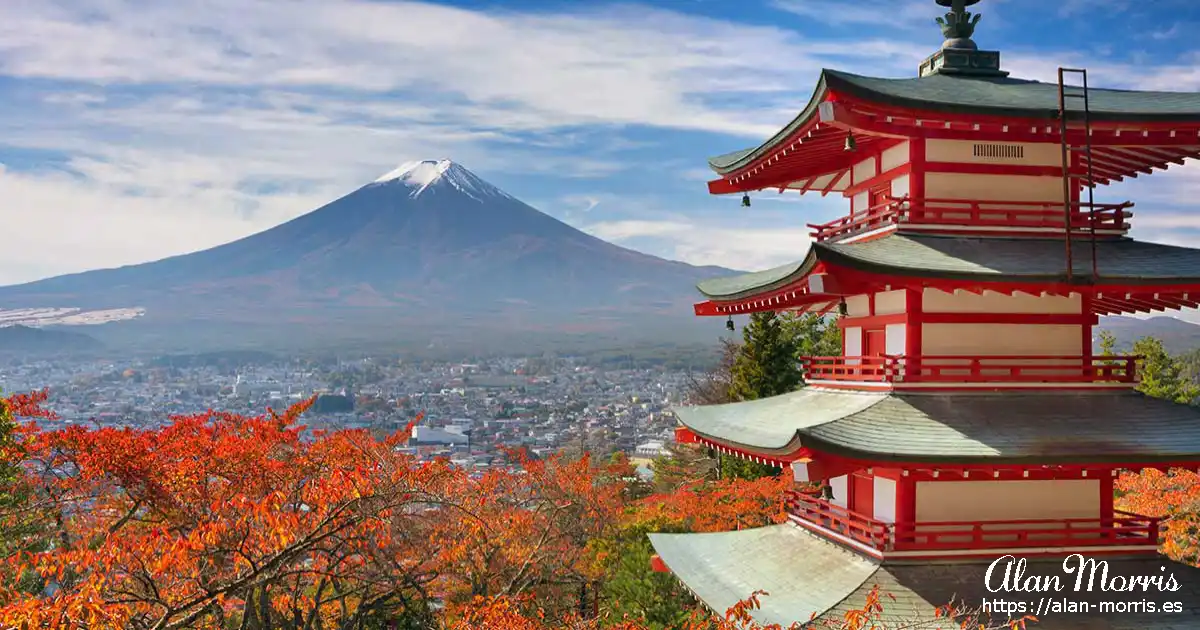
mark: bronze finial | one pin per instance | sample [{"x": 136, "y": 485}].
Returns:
[{"x": 959, "y": 24}]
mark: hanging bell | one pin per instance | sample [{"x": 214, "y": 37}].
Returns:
[
  {"x": 729, "y": 324},
  {"x": 745, "y": 200},
  {"x": 843, "y": 310},
  {"x": 851, "y": 143}
]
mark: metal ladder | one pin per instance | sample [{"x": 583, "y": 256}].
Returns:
[{"x": 1068, "y": 177}]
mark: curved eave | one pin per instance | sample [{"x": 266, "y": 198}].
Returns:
[
  {"x": 971, "y": 96},
  {"x": 730, "y": 288},
  {"x": 736, "y": 160},
  {"x": 803, "y": 575},
  {"x": 806, "y": 576},
  {"x": 777, "y": 421},
  {"x": 1122, "y": 262},
  {"x": 980, "y": 429}
]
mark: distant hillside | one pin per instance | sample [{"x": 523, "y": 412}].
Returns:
[
  {"x": 1177, "y": 335},
  {"x": 25, "y": 340}
]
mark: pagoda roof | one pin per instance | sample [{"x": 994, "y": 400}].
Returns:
[
  {"x": 804, "y": 574},
  {"x": 975, "y": 95},
  {"x": 1121, "y": 261},
  {"x": 1029, "y": 428}
]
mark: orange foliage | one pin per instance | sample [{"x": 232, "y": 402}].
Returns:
[
  {"x": 218, "y": 520},
  {"x": 1173, "y": 496},
  {"x": 720, "y": 506},
  {"x": 217, "y": 517}
]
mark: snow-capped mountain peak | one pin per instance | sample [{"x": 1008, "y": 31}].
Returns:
[{"x": 423, "y": 174}]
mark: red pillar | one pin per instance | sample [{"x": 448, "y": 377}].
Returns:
[
  {"x": 1085, "y": 302},
  {"x": 906, "y": 507},
  {"x": 916, "y": 176},
  {"x": 1107, "y": 496},
  {"x": 912, "y": 335}
]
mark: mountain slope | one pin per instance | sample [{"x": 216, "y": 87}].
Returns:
[
  {"x": 429, "y": 243},
  {"x": 1176, "y": 334},
  {"x": 24, "y": 340}
]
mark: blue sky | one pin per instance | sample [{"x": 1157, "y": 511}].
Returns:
[{"x": 131, "y": 130}]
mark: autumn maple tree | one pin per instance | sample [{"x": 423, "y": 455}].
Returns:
[
  {"x": 218, "y": 520},
  {"x": 1173, "y": 496}
]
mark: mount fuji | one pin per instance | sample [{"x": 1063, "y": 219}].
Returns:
[{"x": 429, "y": 250}]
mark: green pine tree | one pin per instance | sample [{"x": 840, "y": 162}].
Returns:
[
  {"x": 814, "y": 335},
  {"x": 1161, "y": 375},
  {"x": 1108, "y": 343},
  {"x": 631, "y": 588},
  {"x": 766, "y": 363}
]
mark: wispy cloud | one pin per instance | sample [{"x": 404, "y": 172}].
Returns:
[
  {"x": 747, "y": 249},
  {"x": 132, "y": 130},
  {"x": 889, "y": 13},
  {"x": 213, "y": 120}
]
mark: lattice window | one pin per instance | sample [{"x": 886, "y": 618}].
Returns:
[{"x": 1000, "y": 151}]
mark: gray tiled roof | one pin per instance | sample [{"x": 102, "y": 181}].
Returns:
[
  {"x": 1013, "y": 97},
  {"x": 758, "y": 281},
  {"x": 803, "y": 574},
  {"x": 772, "y": 424},
  {"x": 1047, "y": 428},
  {"x": 724, "y": 568},
  {"x": 978, "y": 95},
  {"x": 1124, "y": 261}
]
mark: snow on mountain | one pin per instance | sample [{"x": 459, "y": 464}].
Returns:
[{"x": 423, "y": 174}]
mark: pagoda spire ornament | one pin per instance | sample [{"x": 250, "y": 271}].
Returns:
[
  {"x": 959, "y": 24},
  {"x": 959, "y": 55}
]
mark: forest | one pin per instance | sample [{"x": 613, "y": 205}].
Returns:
[{"x": 217, "y": 520}]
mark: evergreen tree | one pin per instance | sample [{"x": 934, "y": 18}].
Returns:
[
  {"x": 813, "y": 335},
  {"x": 1108, "y": 343},
  {"x": 1161, "y": 375},
  {"x": 766, "y": 363}
]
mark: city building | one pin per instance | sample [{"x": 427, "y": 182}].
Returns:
[
  {"x": 968, "y": 418},
  {"x": 651, "y": 449}
]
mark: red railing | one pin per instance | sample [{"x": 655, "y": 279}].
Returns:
[
  {"x": 973, "y": 369},
  {"x": 874, "y": 533},
  {"x": 977, "y": 214},
  {"x": 1121, "y": 528}
]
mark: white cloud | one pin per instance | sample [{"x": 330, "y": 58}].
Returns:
[
  {"x": 889, "y": 13},
  {"x": 164, "y": 127},
  {"x": 635, "y": 65},
  {"x": 157, "y": 128},
  {"x": 707, "y": 243}
]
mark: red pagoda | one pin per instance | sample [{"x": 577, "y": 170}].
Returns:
[{"x": 968, "y": 417}]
